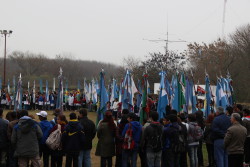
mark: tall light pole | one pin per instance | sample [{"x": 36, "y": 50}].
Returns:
[{"x": 5, "y": 33}]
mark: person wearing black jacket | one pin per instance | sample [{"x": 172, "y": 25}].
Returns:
[
  {"x": 3, "y": 139},
  {"x": 72, "y": 140},
  {"x": 84, "y": 158}
]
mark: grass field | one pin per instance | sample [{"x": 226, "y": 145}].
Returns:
[{"x": 95, "y": 159}]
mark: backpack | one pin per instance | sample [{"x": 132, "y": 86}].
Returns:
[
  {"x": 196, "y": 132},
  {"x": 178, "y": 144},
  {"x": 54, "y": 139},
  {"x": 155, "y": 141},
  {"x": 128, "y": 142}
]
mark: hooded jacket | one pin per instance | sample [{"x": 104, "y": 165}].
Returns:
[
  {"x": 25, "y": 137},
  {"x": 46, "y": 126},
  {"x": 73, "y": 136},
  {"x": 137, "y": 130}
]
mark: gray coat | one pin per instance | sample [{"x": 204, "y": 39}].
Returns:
[
  {"x": 235, "y": 139},
  {"x": 3, "y": 134},
  {"x": 106, "y": 143},
  {"x": 25, "y": 137}
]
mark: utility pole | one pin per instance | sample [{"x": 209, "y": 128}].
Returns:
[
  {"x": 223, "y": 20},
  {"x": 5, "y": 33}
]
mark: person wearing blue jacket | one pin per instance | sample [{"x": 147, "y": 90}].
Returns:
[
  {"x": 131, "y": 154},
  {"x": 46, "y": 126},
  {"x": 219, "y": 128}
]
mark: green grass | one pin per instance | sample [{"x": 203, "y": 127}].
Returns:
[{"x": 95, "y": 159}]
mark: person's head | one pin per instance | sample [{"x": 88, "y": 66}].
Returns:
[
  {"x": 116, "y": 99},
  {"x": 210, "y": 118},
  {"x": 61, "y": 119},
  {"x": 172, "y": 118},
  {"x": 182, "y": 117},
  {"x": 109, "y": 119},
  {"x": 239, "y": 107},
  {"x": 8, "y": 116},
  {"x": 235, "y": 117},
  {"x": 131, "y": 117},
  {"x": 168, "y": 109},
  {"x": 57, "y": 112},
  {"x": 42, "y": 115},
  {"x": 83, "y": 113},
  {"x": 125, "y": 112},
  {"x": 14, "y": 115},
  {"x": 23, "y": 113},
  {"x": 246, "y": 112},
  {"x": 191, "y": 117},
  {"x": 154, "y": 115},
  {"x": 72, "y": 116},
  {"x": 220, "y": 110},
  {"x": 229, "y": 110},
  {"x": 1, "y": 112}
]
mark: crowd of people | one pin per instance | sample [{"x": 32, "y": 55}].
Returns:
[
  {"x": 39, "y": 101},
  {"x": 167, "y": 142}
]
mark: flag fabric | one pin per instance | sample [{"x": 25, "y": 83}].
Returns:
[
  {"x": 94, "y": 92},
  {"x": 47, "y": 93},
  {"x": 114, "y": 94},
  {"x": 175, "y": 96},
  {"x": 78, "y": 91},
  {"x": 34, "y": 92},
  {"x": 181, "y": 91},
  {"x": 221, "y": 98},
  {"x": 193, "y": 96},
  {"x": 86, "y": 91},
  {"x": 163, "y": 97},
  {"x": 60, "y": 96},
  {"x": 19, "y": 95},
  {"x": 208, "y": 96},
  {"x": 129, "y": 91},
  {"x": 14, "y": 86},
  {"x": 230, "y": 90},
  {"x": 103, "y": 99},
  {"x": 144, "y": 110},
  {"x": 8, "y": 86},
  {"x": 66, "y": 95},
  {"x": 54, "y": 84},
  {"x": 41, "y": 86}
]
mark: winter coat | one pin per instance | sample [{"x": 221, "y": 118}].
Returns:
[
  {"x": 137, "y": 131},
  {"x": 119, "y": 139},
  {"x": 10, "y": 128},
  {"x": 73, "y": 136},
  {"x": 106, "y": 143},
  {"x": 190, "y": 139},
  {"x": 208, "y": 133},
  {"x": 25, "y": 137},
  {"x": 235, "y": 139},
  {"x": 3, "y": 134},
  {"x": 219, "y": 126},
  {"x": 46, "y": 126},
  {"x": 246, "y": 124},
  {"x": 89, "y": 131}
]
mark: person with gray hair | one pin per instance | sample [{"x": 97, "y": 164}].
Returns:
[
  {"x": 219, "y": 128},
  {"x": 234, "y": 141}
]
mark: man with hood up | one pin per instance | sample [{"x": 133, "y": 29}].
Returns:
[
  {"x": 72, "y": 140},
  {"x": 46, "y": 126},
  {"x": 25, "y": 137},
  {"x": 137, "y": 130}
]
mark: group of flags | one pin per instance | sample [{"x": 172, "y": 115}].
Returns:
[{"x": 180, "y": 94}]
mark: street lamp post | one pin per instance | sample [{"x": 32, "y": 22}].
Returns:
[{"x": 5, "y": 33}]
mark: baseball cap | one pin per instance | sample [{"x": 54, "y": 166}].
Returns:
[{"x": 42, "y": 114}]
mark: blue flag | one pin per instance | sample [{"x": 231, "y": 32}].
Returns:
[
  {"x": 103, "y": 99},
  {"x": 208, "y": 97},
  {"x": 163, "y": 97}
]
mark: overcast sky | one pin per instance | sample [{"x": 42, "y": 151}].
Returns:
[{"x": 109, "y": 30}]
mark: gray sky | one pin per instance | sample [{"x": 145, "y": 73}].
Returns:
[{"x": 108, "y": 30}]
